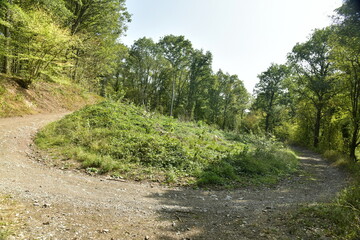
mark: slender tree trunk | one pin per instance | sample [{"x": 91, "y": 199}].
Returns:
[
  {"x": 317, "y": 127},
  {"x": 267, "y": 123},
  {"x": 224, "y": 116},
  {"x": 191, "y": 101},
  {"x": 172, "y": 97},
  {"x": 75, "y": 69},
  {"x": 103, "y": 83},
  {"x": 7, "y": 58},
  {"x": 353, "y": 143}
]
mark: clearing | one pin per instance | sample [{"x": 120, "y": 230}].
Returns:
[{"x": 62, "y": 204}]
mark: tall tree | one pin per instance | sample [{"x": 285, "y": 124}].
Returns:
[
  {"x": 177, "y": 50},
  {"x": 314, "y": 81},
  {"x": 346, "y": 52},
  {"x": 200, "y": 72},
  {"x": 233, "y": 98},
  {"x": 269, "y": 92},
  {"x": 98, "y": 24},
  {"x": 142, "y": 66},
  {"x": 5, "y": 14}
]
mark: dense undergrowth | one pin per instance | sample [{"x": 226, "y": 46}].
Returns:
[
  {"x": 126, "y": 141},
  {"x": 339, "y": 219}
]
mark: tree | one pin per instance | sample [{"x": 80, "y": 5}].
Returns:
[
  {"x": 142, "y": 67},
  {"x": 232, "y": 98},
  {"x": 269, "y": 92},
  {"x": 45, "y": 39},
  {"x": 5, "y": 35},
  {"x": 200, "y": 72},
  {"x": 97, "y": 24},
  {"x": 346, "y": 52},
  {"x": 177, "y": 50},
  {"x": 314, "y": 80},
  {"x": 37, "y": 46},
  {"x": 173, "y": 78}
]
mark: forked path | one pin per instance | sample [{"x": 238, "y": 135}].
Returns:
[{"x": 60, "y": 204}]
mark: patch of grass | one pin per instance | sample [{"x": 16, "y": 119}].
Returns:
[
  {"x": 343, "y": 161},
  {"x": 125, "y": 140}
]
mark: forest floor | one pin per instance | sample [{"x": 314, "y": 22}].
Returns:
[{"x": 57, "y": 203}]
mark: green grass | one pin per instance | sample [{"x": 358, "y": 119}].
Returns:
[{"x": 126, "y": 141}]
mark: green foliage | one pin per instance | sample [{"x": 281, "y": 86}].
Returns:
[
  {"x": 173, "y": 78},
  {"x": 45, "y": 43},
  {"x": 126, "y": 140},
  {"x": 313, "y": 79},
  {"x": 270, "y": 94},
  {"x": 48, "y": 40}
]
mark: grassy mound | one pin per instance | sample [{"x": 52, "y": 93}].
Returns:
[{"x": 126, "y": 141}]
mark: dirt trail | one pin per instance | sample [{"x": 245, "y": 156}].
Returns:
[{"x": 61, "y": 204}]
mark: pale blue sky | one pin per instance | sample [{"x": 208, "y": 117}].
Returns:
[{"x": 244, "y": 36}]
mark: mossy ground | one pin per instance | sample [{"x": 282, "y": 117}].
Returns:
[{"x": 126, "y": 141}]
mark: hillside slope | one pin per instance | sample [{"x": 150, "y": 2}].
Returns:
[{"x": 41, "y": 97}]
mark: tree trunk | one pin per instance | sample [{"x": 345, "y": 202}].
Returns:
[
  {"x": 267, "y": 123},
  {"x": 224, "y": 116},
  {"x": 103, "y": 83},
  {"x": 191, "y": 101},
  {"x": 75, "y": 68},
  {"x": 353, "y": 143},
  {"x": 172, "y": 97},
  {"x": 317, "y": 127}
]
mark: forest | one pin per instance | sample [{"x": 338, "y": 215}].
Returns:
[
  {"x": 168, "y": 117},
  {"x": 312, "y": 99}
]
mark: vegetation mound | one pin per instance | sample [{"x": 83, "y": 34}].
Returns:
[{"x": 126, "y": 141}]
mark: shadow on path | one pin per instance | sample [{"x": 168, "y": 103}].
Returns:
[{"x": 250, "y": 213}]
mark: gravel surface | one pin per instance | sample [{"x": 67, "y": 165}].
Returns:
[{"x": 63, "y": 204}]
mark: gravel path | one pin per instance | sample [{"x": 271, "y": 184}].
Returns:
[{"x": 60, "y": 204}]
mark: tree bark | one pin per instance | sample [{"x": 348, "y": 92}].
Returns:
[
  {"x": 224, "y": 115},
  {"x": 354, "y": 143},
  {"x": 317, "y": 127},
  {"x": 172, "y": 97},
  {"x": 267, "y": 123}
]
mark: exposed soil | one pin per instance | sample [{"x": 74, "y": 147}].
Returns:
[
  {"x": 62, "y": 204},
  {"x": 41, "y": 97}
]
